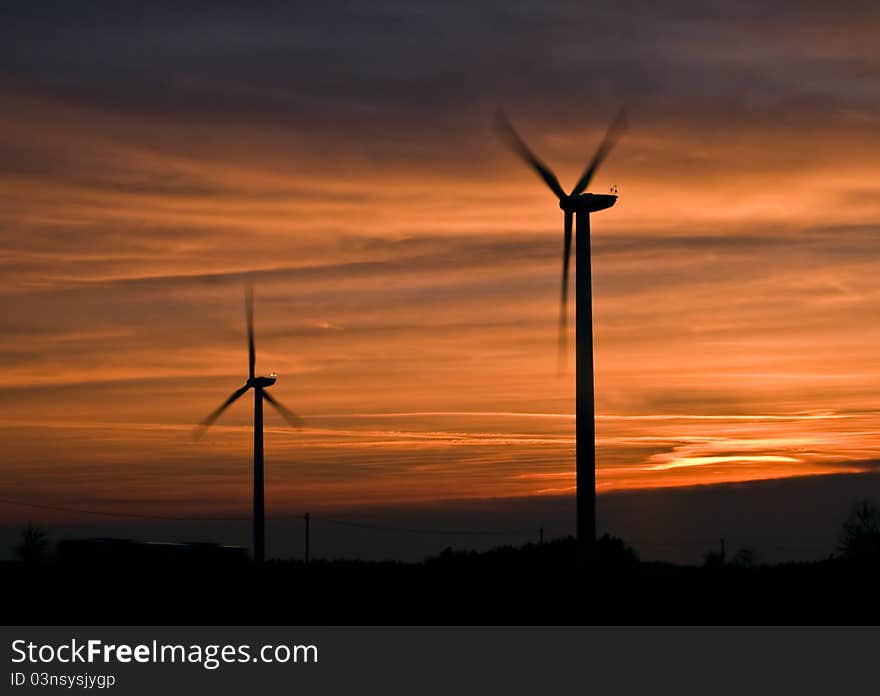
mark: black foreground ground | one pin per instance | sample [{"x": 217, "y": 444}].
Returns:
[{"x": 534, "y": 584}]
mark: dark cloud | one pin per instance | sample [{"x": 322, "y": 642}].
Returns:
[{"x": 400, "y": 72}]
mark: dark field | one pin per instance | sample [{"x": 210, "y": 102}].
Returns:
[{"x": 532, "y": 584}]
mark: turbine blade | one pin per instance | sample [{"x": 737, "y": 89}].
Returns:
[
  {"x": 249, "y": 310},
  {"x": 615, "y": 130},
  {"x": 292, "y": 419},
  {"x": 562, "y": 360},
  {"x": 514, "y": 142},
  {"x": 215, "y": 414}
]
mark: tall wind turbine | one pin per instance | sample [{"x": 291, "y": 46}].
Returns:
[
  {"x": 259, "y": 385},
  {"x": 577, "y": 204}
]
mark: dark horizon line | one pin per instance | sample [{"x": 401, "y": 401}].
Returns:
[{"x": 448, "y": 501}]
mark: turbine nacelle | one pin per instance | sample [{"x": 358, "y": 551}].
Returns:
[
  {"x": 262, "y": 382},
  {"x": 587, "y": 202}
]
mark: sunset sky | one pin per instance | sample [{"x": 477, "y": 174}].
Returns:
[{"x": 406, "y": 266}]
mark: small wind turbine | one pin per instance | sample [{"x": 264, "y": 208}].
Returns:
[
  {"x": 259, "y": 385},
  {"x": 581, "y": 204}
]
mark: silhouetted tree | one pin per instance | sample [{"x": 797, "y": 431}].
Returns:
[
  {"x": 715, "y": 559},
  {"x": 860, "y": 533},
  {"x": 747, "y": 557},
  {"x": 34, "y": 544},
  {"x": 712, "y": 559},
  {"x": 613, "y": 551}
]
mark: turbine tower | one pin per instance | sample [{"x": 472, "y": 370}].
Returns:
[
  {"x": 259, "y": 385},
  {"x": 579, "y": 205}
]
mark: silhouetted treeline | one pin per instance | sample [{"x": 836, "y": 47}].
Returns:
[
  {"x": 533, "y": 584},
  {"x": 612, "y": 553},
  {"x": 126, "y": 582},
  {"x": 860, "y": 533}
]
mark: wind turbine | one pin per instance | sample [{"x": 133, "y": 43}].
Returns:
[
  {"x": 577, "y": 204},
  {"x": 259, "y": 385}
]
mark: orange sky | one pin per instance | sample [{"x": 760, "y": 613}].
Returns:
[{"x": 407, "y": 286}]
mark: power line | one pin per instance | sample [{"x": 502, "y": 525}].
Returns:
[
  {"x": 109, "y": 513},
  {"x": 347, "y": 523},
  {"x": 409, "y": 530}
]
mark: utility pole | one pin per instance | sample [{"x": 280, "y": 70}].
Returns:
[
  {"x": 307, "y": 537},
  {"x": 541, "y": 535}
]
